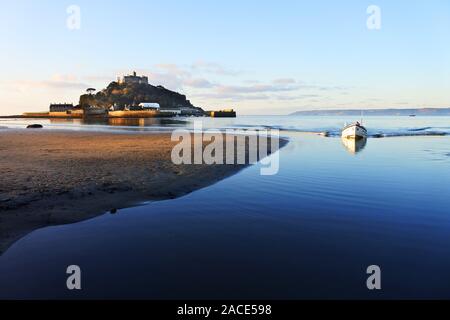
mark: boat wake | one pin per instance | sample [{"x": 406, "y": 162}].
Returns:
[
  {"x": 372, "y": 133},
  {"x": 409, "y": 134}
]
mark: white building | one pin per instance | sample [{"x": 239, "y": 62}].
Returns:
[{"x": 150, "y": 105}]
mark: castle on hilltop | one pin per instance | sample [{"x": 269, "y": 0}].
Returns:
[{"x": 133, "y": 78}]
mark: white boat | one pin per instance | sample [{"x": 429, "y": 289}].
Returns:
[{"x": 354, "y": 131}]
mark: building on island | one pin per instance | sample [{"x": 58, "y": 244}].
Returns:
[
  {"x": 171, "y": 111},
  {"x": 76, "y": 112},
  {"x": 61, "y": 107},
  {"x": 150, "y": 106},
  {"x": 226, "y": 113},
  {"x": 134, "y": 78}
]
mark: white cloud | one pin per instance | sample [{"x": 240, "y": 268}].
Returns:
[
  {"x": 284, "y": 81},
  {"x": 173, "y": 69},
  {"x": 54, "y": 83},
  {"x": 255, "y": 88},
  {"x": 214, "y": 68},
  {"x": 198, "y": 83}
]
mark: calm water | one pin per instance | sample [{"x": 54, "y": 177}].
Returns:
[{"x": 308, "y": 232}]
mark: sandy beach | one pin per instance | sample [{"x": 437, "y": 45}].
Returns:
[{"x": 54, "y": 177}]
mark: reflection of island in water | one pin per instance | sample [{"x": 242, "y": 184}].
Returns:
[
  {"x": 354, "y": 145},
  {"x": 132, "y": 122}
]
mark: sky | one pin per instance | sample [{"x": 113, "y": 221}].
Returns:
[{"x": 259, "y": 57}]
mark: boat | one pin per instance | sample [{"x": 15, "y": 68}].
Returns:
[{"x": 354, "y": 131}]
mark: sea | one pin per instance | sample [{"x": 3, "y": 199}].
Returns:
[{"x": 311, "y": 231}]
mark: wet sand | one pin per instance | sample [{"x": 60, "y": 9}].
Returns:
[{"x": 57, "y": 177}]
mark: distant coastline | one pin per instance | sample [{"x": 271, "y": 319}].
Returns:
[{"x": 377, "y": 112}]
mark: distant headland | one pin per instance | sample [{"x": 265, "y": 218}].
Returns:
[{"x": 377, "y": 112}]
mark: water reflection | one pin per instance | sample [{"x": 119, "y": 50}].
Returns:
[
  {"x": 128, "y": 122},
  {"x": 354, "y": 145}
]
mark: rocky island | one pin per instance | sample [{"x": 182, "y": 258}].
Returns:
[
  {"x": 132, "y": 91},
  {"x": 130, "y": 96}
]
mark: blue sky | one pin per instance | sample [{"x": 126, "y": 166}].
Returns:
[{"x": 260, "y": 57}]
